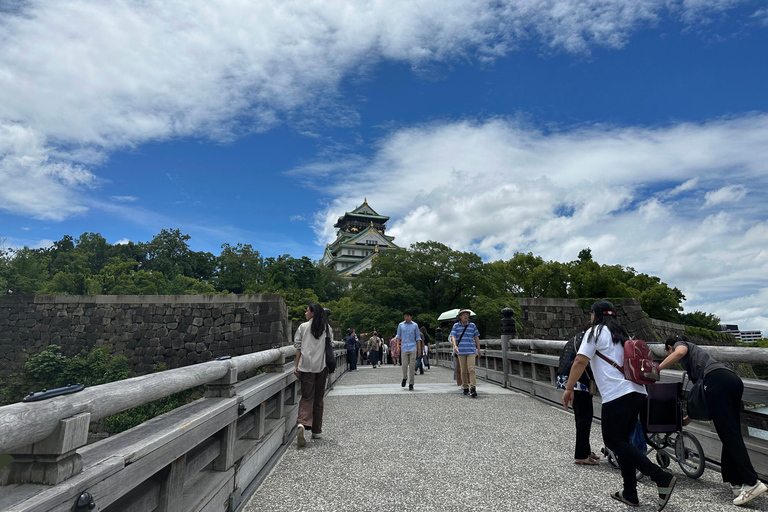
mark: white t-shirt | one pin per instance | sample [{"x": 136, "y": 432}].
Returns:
[{"x": 609, "y": 380}]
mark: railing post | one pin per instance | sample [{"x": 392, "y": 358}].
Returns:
[
  {"x": 52, "y": 460},
  {"x": 438, "y": 341},
  {"x": 224, "y": 387},
  {"x": 508, "y": 331},
  {"x": 172, "y": 490}
]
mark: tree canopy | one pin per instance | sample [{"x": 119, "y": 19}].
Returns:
[{"x": 428, "y": 277}]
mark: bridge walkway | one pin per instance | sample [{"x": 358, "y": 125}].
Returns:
[{"x": 433, "y": 449}]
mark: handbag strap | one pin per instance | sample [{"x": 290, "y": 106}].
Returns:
[
  {"x": 462, "y": 335},
  {"x": 610, "y": 361}
]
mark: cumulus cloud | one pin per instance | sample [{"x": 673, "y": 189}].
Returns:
[
  {"x": 634, "y": 195},
  {"x": 34, "y": 184},
  {"x": 123, "y": 241},
  {"x": 87, "y": 77}
]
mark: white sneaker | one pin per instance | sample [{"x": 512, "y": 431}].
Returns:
[
  {"x": 748, "y": 493},
  {"x": 316, "y": 435},
  {"x": 300, "y": 439},
  {"x": 736, "y": 489}
]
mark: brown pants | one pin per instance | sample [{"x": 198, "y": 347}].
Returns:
[
  {"x": 468, "y": 379},
  {"x": 311, "y": 403}
]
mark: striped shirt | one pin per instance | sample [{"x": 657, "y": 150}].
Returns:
[{"x": 467, "y": 342}]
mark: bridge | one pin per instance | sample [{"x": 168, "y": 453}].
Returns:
[{"x": 384, "y": 448}]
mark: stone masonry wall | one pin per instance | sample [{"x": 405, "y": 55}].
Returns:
[
  {"x": 174, "y": 330},
  {"x": 559, "y": 319}
]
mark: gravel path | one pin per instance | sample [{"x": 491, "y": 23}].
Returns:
[{"x": 433, "y": 449}]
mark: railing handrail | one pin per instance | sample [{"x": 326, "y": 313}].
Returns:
[
  {"x": 25, "y": 423},
  {"x": 724, "y": 354}
]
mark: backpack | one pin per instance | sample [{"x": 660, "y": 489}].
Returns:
[
  {"x": 568, "y": 355},
  {"x": 639, "y": 366}
]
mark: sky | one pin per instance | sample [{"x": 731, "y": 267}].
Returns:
[{"x": 637, "y": 128}]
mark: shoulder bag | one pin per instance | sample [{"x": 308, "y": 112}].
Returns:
[
  {"x": 696, "y": 402},
  {"x": 330, "y": 357}
]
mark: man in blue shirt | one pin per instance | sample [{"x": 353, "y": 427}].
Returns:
[
  {"x": 410, "y": 345},
  {"x": 466, "y": 343}
]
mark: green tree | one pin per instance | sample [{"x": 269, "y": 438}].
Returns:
[
  {"x": 239, "y": 268},
  {"x": 701, "y": 319}
]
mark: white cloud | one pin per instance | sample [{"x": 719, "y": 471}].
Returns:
[
  {"x": 727, "y": 194},
  {"x": 33, "y": 184},
  {"x": 123, "y": 241},
  {"x": 125, "y": 199},
  {"x": 87, "y": 77},
  {"x": 633, "y": 195}
]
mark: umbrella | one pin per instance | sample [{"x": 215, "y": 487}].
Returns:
[{"x": 452, "y": 314}]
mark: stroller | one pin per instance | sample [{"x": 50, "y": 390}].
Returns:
[{"x": 662, "y": 423}]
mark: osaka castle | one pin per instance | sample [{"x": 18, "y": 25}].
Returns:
[{"x": 359, "y": 239}]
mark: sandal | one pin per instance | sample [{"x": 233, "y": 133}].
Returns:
[
  {"x": 665, "y": 493},
  {"x": 586, "y": 462},
  {"x": 594, "y": 456},
  {"x": 619, "y": 496}
]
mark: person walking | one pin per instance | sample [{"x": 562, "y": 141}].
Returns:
[
  {"x": 723, "y": 390},
  {"x": 466, "y": 343},
  {"x": 582, "y": 400},
  {"x": 622, "y": 402},
  {"x": 425, "y": 355},
  {"x": 395, "y": 347},
  {"x": 311, "y": 371},
  {"x": 410, "y": 345},
  {"x": 351, "y": 346},
  {"x": 374, "y": 348}
]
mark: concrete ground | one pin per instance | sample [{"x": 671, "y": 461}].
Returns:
[{"x": 433, "y": 449}]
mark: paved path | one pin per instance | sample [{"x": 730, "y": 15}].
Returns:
[{"x": 433, "y": 449}]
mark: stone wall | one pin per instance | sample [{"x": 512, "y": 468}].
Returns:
[
  {"x": 150, "y": 329},
  {"x": 559, "y": 319}
]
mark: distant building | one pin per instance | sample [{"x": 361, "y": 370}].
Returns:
[
  {"x": 745, "y": 336},
  {"x": 360, "y": 237}
]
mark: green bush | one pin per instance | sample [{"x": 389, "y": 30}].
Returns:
[{"x": 50, "y": 369}]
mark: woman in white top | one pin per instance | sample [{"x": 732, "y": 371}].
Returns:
[
  {"x": 311, "y": 371},
  {"x": 622, "y": 402}
]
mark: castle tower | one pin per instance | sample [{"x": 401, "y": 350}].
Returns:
[{"x": 360, "y": 236}]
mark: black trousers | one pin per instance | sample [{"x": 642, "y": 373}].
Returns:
[
  {"x": 582, "y": 414},
  {"x": 619, "y": 417},
  {"x": 724, "y": 389}
]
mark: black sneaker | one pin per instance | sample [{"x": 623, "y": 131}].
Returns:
[
  {"x": 466, "y": 391},
  {"x": 473, "y": 392},
  {"x": 410, "y": 387},
  {"x": 402, "y": 384}
]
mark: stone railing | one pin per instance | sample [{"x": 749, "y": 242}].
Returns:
[
  {"x": 530, "y": 366},
  {"x": 207, "y": 455}
]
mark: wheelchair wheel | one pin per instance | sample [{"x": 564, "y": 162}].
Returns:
[
  {"x": 690, "y": 455},
  {"x": 662, "y": 458}
]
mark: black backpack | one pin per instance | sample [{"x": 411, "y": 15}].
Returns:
[{"x": 568, "y": 356}]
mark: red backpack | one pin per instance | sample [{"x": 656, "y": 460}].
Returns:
[{"x": 639, "y": 366}]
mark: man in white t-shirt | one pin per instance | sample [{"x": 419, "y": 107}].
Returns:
[{"x": 622, "y": 402}]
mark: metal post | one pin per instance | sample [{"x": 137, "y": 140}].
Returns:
[{"x": 508, "y": 332}]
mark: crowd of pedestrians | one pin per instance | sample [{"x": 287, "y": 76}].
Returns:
[{"x": 590, "y": 362}]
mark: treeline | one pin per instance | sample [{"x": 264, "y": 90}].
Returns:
[
  {"x": 429, "y": 277},
  {"x": 166, "y": 265}
]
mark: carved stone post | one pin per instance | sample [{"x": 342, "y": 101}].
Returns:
[
  {"x": 508, "y": 332},
  {"x": 52, "y": 460}
]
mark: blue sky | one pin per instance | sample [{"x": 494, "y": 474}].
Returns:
[{"x": 638, "y": 128}]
